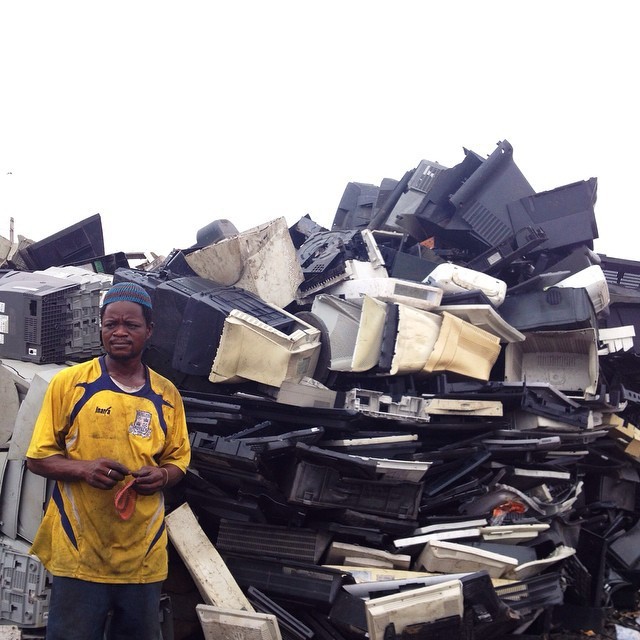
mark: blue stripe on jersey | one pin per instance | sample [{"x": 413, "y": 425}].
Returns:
[
  {"x": 64, "y": 518},
  {"x": 156, "y": 538},
  {"x": 104, "y": 383}
]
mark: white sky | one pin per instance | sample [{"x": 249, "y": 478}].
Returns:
[{"x": 165, "y": 116}]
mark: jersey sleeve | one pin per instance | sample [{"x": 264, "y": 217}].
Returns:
[
  {"x": 48, "y": 433},
  {"x": 177, "y": 450}
]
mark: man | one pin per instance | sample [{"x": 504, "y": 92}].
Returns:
[{"x": 106, "y": 424}]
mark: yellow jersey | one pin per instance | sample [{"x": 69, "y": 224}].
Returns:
[{"x": 84, "y": 416}]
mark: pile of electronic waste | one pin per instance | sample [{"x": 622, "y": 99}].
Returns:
[{"x": 416, "y": 422}]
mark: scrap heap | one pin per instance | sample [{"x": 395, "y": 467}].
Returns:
[{"x": 419, "y": 421}]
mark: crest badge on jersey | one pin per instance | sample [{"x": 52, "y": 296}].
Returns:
[{"x": 141, "y": 426}]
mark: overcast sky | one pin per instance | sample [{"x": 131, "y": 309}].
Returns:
[{"x": 165, "y": 116}]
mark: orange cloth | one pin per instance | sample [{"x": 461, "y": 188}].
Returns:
[{"x": 125, "y": 500}]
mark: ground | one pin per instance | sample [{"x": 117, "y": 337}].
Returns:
[{"x": 627, "y": 619}]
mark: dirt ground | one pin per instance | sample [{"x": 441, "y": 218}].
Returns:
[{"x": 628, "y": 619}]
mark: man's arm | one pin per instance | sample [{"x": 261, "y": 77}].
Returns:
[{"x": 101, "y": 473}]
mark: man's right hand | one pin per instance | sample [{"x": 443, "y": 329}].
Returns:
[
  {"x": 105, "y": 473},
  {"x": 101, "y": 473}
]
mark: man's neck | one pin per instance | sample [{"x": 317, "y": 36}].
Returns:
[{"x": 131, "y": 371}]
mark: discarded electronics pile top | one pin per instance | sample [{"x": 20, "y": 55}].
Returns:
[{"x": 441, "y": 390}]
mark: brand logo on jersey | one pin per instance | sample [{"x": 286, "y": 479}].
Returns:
[
  {"x": 103, "y": 410},
  {"x": 141, "y": 426}
]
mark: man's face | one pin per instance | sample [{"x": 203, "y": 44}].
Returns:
[{"x": 124, "y": 330}]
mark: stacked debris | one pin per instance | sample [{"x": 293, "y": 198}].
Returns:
[{"x": 419, "y": 421}]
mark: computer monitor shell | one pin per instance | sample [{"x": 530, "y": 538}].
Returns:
[
  {"x": 80, "y": 241},
  {"x": 230, "y": 624},
  {"x": 250, "y": 349},
  {"x": 35, "y": 314},
  {"x": 424, "y": 604},
  {"x": 568, "y": 360}
]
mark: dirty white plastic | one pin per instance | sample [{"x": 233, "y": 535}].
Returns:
[
  {"x": 467, "y": 407},
  {"x": 401, "y": 470},
  {"x": 366, "y": 353},
  {"x": 428, "y": 342},
  {"x": 453, "y": 534},
  {"x": 484, "y": 316},
  {"x": 512, "y": 534},
  {"x": 567, "y": 360},
  {"x": 10, "y": 403},
  {"x": 250, "y": 349},
  {"x": 416, "y": 294},
  {"x": 524, "y": 420},
  {"x": 355, "y": 330},
  {"x": 306, "y": 393},
  {"x": 464, "y": 349},
  {"x": 342, "y": 319},
  {"x": 424, "y": 604},
  {"x": 230, "y": 624},
  {"x": 616, "y": 339},
  {"x": 262, "y": 260},
  {"x": 533, "y": 568},
  {"x": 447, "y": 526},
  {"x": 453, "y": 278},
  {"x": 440, "y": 556},
  {"x": 417, "y": 334},
  {"x": 361, "y": 269},
  {"x": 373, "y": 251},
  {"x": 594, "y": 281},
  {"x": 382, "y": 405},
  {"x": 338, "y": 552}
]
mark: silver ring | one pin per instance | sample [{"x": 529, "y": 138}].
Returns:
[{"x": 109, "y": 473}]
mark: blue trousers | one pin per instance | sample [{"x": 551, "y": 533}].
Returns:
[{"x": 80, "y": 610}]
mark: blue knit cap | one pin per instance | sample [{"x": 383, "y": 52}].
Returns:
[{"x": 127, "y": 292}]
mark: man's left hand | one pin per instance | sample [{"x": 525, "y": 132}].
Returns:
[{"x": 149, "y": 480}]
